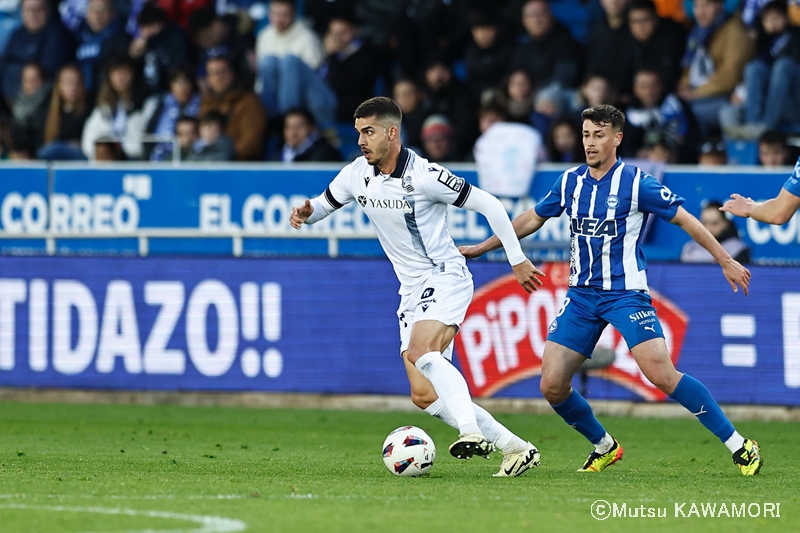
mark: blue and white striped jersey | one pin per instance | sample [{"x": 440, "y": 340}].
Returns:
[
  {"x": 607, "y": 218},
  {"x": 793, "y": 183}
]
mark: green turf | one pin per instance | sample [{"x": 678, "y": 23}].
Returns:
[{"x": 90, "y": 468}]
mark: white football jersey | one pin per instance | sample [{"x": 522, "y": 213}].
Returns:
[{"x": 408, "y": 209}]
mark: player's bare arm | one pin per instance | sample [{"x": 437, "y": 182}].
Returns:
[
  {"x": 733, "y": 271},
  {"x": 773, "y": 211},
  {"x": 525, "y": 224},
  {"x": 301, "y": 214}
]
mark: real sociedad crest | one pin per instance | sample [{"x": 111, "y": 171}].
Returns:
[{"x": 407, "y": 184}]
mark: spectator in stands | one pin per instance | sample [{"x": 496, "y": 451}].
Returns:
[
  {"x": 408, "y": 96},
  {"x": 214, "y": 36},
  {"x": 100, "y": 37},
  {"x": 713, "y": 152},
  {"x": 563, "y": 142},
  {"x": 595, "y": 90},
  {"x": 187, "y": 133},
  {"x": 772, "y": 78},
  {"x": 67, "y": 114},
  {"x": 550, "y": 55},
  {"x": 772, "y": 149},
  {"x": 717, "y": 223},
  {"x": 517, "y": 95},
  {"x": 120, "y": 112},
  {"x": 659, "y": 148},
  {"x": 426, "y": 29},
  {"x": 183, "y": 99},
  {"x": 288, "y": 54},
  {"x": 303, "y": 140},
  {"x": 41, "y": 39},
  {"x": 30, "y": 108},
  {"x": 319, "y": 13},
  {"x": 108, "y": 149},
  {"x": 245, "y": 116},
  {"x": 449, "y": 96},
  {"x": 488, "y": 54},
  {"x": 651, "y": 109},
  {"x": 213, "y": 144},
  {"x": 351, "y": 67},
  {"x": 658, "y": 43},
  {"x": 717, "y": 51},
  {"x": 506, "y": 153},
  {"x": 438, "y": 139},
  {"x": 609, "y": 50},
  {"x": 160, "y": 46}
]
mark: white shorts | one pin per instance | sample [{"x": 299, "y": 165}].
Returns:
[{"x": 444, "y": 296}]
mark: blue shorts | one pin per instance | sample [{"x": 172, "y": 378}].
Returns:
[{"x": 587, "y": 311}]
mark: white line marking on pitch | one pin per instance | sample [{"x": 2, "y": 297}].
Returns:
[{"x": 209, "y": 524}]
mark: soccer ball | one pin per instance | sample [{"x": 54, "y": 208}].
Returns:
[{"x": 409, "y": 452}]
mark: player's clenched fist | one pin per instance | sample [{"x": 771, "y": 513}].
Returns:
[{"x": 301, "y": 214}]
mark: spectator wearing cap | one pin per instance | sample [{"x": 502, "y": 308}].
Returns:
[
  {"x": 246, "y": 120},
  {"x": 160, "y": 46},
  {"x": 659, "y": 147},
  {"x": 437, "y": 139},
  {"x": 772, "y": 149},
  {"x": 351, "y": 67},
  {"x": 446, "y": 95},
  {"x": 713, "y": 152},
  {"x": 303, "y": 141},
  {"x": 488, "y": 54},
  {"x": 41, "y": 39}
]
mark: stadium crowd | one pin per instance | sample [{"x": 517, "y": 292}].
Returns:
[{"x": 247, "y": 81}]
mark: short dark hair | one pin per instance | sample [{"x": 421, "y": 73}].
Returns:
[
  {"x": 776, "y": 5},
  {"x": 605, "y": 114},
  {"x": 213, "y": 116},
  {"x": 200, "y": 19},
  {"x": 183, "y": 71},
  {"x": 151, "y": 14},
  {"x": 493, "y": 106},
  {"x": 381, "y": 108},
  {"x": 185, "y": 118},
  {"x": 772, "y": 137},
  {"x": 643, "y": 5},
  {"x": 305, "y": 113}
]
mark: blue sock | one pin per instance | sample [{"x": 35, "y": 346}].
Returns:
[
  {"x": 695, "y": 397},
  {"x": 577, "y": 412}
]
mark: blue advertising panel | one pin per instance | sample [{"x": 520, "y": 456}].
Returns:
[
  {"x": 329, "y": 326},
  {"x": 23, "y": 207}
]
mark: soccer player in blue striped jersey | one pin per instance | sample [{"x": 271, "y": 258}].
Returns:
[
  {"x": 776, "y": 210},
  {"x": 608, "y": 203}
]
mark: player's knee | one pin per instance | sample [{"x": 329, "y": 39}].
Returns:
[
  {"x": 553, "y": 390},
  {"x": 665, "y": 381}
]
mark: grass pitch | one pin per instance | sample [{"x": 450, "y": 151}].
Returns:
[{"x": 149, "y": 469}]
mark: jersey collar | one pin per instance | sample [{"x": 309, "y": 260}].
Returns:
[
  {"x": 402, "y": 164},
  {"x": 588, "y": 177}
]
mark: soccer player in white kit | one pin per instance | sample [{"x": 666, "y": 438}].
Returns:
[{"x": 406, "y": 198}]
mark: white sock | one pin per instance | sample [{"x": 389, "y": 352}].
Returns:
[
  {"x": 451, "y": 387},
  {"x": 605, "y": 444},
  {"x": 734, "y": 442},
  {"x": 494, "y": 431}
]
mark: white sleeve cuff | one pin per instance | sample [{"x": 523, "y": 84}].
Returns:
[{"x": 490, "y": 207}]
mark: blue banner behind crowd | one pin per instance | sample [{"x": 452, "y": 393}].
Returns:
[
  {"x": 256, "y": 202},
  {"x": 329, "y": 326}
]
